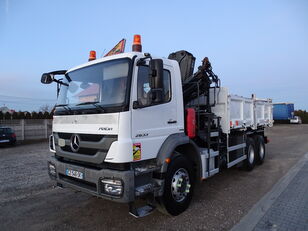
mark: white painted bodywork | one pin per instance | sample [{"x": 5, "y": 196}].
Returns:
[
  {"x": 147, "y": 126},
  {"x": 239, "y": 112},
  {"x": 121, "y": 150},
  {"x": 264, "y": 112},
  {"x": 150, "y": 125},
  {"x": 105, "y": 124}
]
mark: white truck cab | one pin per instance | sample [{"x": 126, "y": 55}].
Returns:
[
  {"x": 143, "y": 129},
  {"x": 131, "y": 126}
]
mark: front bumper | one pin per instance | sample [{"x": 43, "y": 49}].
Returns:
[{"x": 92, "y": 178}]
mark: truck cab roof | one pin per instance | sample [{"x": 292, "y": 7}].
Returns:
[{"x": 119, "y": 56}]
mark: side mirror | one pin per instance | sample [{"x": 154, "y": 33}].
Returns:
[
  {"x": 156, "y": 73},
  {"x": 47, "y": 78},
  {"x": 156, "y": 79}
]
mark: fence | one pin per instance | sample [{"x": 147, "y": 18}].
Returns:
[{"x": 29, "y": 129}]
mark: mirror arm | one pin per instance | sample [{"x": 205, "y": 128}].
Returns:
[
  {"x": 58, "y": 81},
  {"x": 136, "y": 105},
  {"x": 142, "y": 60},
  {"x": 60, "y": 72}
]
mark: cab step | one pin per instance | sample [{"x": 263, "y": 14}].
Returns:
[{"x": 141, "y": 211}]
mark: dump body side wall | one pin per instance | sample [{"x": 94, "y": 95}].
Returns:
[{"x": 239, "y": 112}]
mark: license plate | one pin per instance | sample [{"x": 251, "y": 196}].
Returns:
[{"x": 74, "y": 173}]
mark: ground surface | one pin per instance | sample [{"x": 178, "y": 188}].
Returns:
[
  {"x": 290, "y": 209},
  {"x": 29, "y": 202}
]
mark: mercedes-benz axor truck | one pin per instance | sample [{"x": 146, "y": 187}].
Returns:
[{"x": 132, "y": 126}]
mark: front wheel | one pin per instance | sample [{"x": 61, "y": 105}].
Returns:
[{"x": 179, "y": 185}]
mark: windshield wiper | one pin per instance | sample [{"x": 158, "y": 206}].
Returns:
[
  {"x": 95, "y": 103},
  {"x": 65, "y": 106}
]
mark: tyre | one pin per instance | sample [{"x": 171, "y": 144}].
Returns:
[
  {"x": 260, "y": 149},
  {"x": 250, "y": 150},
  {"x": 179, "y": 185}
]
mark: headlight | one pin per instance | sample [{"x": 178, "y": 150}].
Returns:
[
  {"x": 112, "y": 187},
  {"x": 52, "y": 169},
  {"x": 52, "y": 144}
]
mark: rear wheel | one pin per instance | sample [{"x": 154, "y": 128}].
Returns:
[
  {"x": 179, "y": 184},
  {"x": 260, "y": 148},
  {"x": 250, "y": 161}
]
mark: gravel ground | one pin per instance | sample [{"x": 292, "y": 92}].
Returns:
[{"x": 28, "y": 200}]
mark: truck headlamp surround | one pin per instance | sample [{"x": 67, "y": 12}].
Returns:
[
  {"x": 52, "y": 147},
  {"x": 112, "y": 187}
]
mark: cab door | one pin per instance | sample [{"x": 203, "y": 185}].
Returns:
[{"x": 152, "y": 123}]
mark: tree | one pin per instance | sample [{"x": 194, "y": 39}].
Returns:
[
  {"x": 27, "y": 115},
  {"x": 21, "y": 115},
  {"x": 40, "y": 115},
  {"x": 303, "y": 114},
  {"x": 45, "y": 108},
  {"x": 15, "y": 115},
  {"x": 46, "y": 115},
  {"x": 34, "y": 115},
  {"x": 1, "y": 115},
  {"x": 7, "y": 116}
]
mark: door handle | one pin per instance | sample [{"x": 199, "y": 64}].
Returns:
[{"x": 172, "y": 122}]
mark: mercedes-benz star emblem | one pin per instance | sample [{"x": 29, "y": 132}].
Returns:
[{"x": 75, "y": 139}]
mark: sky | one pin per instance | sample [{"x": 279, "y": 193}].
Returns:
[{"x": 258, "y": 47}]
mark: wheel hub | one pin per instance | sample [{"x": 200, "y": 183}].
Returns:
[{"x": 180, "y": 185}]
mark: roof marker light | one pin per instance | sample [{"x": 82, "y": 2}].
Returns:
[
  {"x": 92, "y": 55},
  {"x": 137, "y": 47}
]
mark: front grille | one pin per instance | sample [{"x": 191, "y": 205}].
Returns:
[
  {"x": 91, "y": 137},
  {"x": 65, "y": 136},
  {"x": 104, "y": 165},
  {"x": 84, "y": 151},
  {"x": 83, "y": 137},
  {"x": 92, "y": 147},
  {"x": 81, "y": 183}
]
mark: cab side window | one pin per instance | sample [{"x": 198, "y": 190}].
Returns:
[{"x": 144, "y": 90}]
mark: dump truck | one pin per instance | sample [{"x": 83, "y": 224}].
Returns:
[{"x": 145, "y": 130}]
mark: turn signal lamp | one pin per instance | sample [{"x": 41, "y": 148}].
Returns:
[
  {"x": 92, "y": 55},
  {"x": 52, "y": 169},
  {"x": 137, "y": 47}
]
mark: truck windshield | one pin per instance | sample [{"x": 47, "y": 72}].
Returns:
[{"x": 102, "y": 83}]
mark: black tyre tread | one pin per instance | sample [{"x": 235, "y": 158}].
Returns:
[
  {"x": 250, "y": 143},
  {"x": 167, "y": 204},
  {"x": 259, "y": 139}
]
